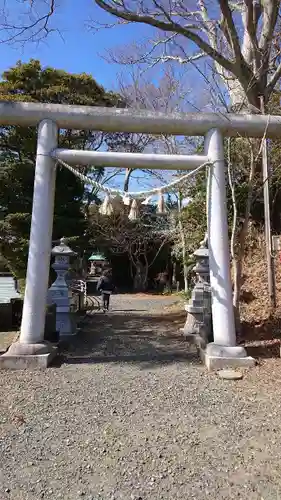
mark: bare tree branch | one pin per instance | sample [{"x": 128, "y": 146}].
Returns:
[
  {"x": 232, "y": 32},
  {"x": 238, "y": 36},
  {"x": 270, "y": 14},
  {"x": 38, "y": 26},
  {"x": 170, "y": 26},
  {"x": 272, "y": 81}
]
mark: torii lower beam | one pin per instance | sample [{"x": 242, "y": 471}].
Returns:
[{"x": 129, "y": 160}]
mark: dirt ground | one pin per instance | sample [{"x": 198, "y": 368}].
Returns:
[{"x": 129, "y": 412}]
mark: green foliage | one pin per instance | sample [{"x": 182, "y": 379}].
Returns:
[
  {"x": 238, "y": 150},
  {"x": 31, "y": 82},
  {"x": 190, "y": 220},
  {"x": 184, "y": 295},
  {"x": 131, "y": 244},
  {"x": 240, "y": 167}
]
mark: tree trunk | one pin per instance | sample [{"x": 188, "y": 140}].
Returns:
[
  {"x": 185, "y": 277},
  {"x": 174, "y": 276},
  {"x": 127, "y": 179},
  {"x": 238, "y": 240},
  {"x": 140, "y": 280},
  {"x": 145, "y": 277},
  {"x": 184, "y": 256},
  {"x": 237, "y": 266}
]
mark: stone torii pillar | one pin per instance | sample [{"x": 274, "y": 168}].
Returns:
[
  {"x": 31, "y": 350},
  {"x": 223, "y": 352}
]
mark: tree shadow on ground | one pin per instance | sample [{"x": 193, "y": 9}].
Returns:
[
  {"x": 262, "y": 340},
  {"x": 151, "y": 340}
]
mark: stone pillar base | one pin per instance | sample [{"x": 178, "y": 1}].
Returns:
[
  {"x": 194, "y": 338},
  {"x": 66, "y": 325},
  {"x": 22, "y": 356},
  {"x": 217, "y": 357}
]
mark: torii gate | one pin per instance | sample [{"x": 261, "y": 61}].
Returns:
[{"x": 31, "y": 350}]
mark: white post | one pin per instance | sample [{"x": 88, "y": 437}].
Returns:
[
  {"x": 220, "y": 279},
  {"x": 34, "y": 308}
]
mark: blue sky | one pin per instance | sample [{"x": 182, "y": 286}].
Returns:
[{"x": 77, "y": 49}]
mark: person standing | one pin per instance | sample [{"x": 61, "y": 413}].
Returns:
[{"x": 106, "y": 287}]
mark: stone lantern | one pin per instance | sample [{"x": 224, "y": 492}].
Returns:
[
  {"x": 59, "y": 293},
  {"x": 199, "y": 320}
]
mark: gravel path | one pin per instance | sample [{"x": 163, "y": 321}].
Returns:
[{"x": 132, "y": 414}]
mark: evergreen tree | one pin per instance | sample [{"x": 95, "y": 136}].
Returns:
[{"x": 31, "y": 82}]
